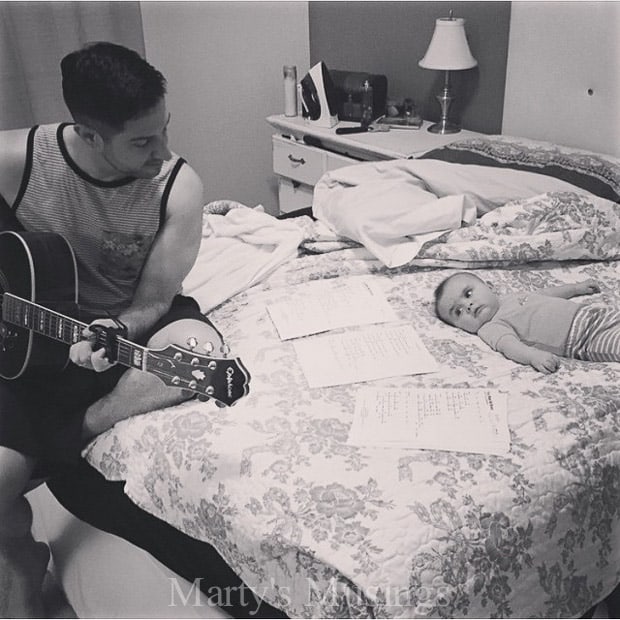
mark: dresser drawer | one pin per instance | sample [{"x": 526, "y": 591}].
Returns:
[
  {"x": 297, "y": 161},
  {"x": 335, "y": 160},
  {"x": 293, "y": 196}
]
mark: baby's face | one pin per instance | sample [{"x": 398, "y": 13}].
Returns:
[{"x": 467, "y": 303}]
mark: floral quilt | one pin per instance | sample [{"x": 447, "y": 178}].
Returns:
[{"x": 321, "y": 528}]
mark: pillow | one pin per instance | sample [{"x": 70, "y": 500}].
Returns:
[{"x": 596, "y": 173}]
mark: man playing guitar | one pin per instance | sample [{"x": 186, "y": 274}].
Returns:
[{"x": 131, "y": 210}]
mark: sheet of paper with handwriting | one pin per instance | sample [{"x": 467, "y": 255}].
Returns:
[
  {"x": 324, "y": 305},
  {"x": 363, "y": 354},
  {"x": 463, "y": 420}
]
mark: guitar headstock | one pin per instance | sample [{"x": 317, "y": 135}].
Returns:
[{"x": 223, "y": 379}]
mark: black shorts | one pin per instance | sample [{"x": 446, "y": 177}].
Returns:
[{"x": 41, "y": 414}]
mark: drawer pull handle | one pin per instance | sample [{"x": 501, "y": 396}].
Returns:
[{"x": 301, "y": 160}]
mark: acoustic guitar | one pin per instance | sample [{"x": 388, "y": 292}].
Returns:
[{"x": 38, "y": 289}]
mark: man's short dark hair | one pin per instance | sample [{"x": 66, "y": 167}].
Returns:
[{"x": 108, "y": 83}]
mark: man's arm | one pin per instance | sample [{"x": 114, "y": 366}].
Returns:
[
  {"x": 566, "y": 291},
  {"x": 512, "y": 348},
  {"x": 171, "y": 257}
]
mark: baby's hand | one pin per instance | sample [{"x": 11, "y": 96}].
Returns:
[
  {"x": 587, "y": 287},
  {"x": 544, "y": 362}
]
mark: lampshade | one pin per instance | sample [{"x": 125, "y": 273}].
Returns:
[{"x": 448, "y": 49}]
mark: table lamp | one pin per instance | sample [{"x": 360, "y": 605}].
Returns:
[{"x": 448, "y": 51}]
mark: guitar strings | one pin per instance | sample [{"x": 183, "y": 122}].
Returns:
[
  {"x": 45, "y": 321},
  {"x": 55, "y": 325}
]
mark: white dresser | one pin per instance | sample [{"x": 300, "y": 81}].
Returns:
[{"x": 302, "y": 152}]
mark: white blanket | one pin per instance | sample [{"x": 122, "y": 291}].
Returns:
[
  {"x": 238, "y": 249},
  {"x": 394, "y": 207}
]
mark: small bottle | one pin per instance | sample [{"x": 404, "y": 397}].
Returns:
[
  {"x": 290, "y": 90},
  {"x": 367, "y": 104},
  {"x": 409, "y": 111}
]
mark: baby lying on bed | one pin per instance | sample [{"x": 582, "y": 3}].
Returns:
[{"x": 533, "y": 327}]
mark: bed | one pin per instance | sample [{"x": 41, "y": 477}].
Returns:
[{"x": 318, "y": 527}]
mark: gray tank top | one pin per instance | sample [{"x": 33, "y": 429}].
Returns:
[{"x": 110, "y": 225}]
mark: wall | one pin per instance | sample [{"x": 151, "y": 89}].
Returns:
[
  {"x": 35, "y": 36},
  {"x": 563, "y": 74},
  {"x": 223, "y": 62},
  {"x": 391, "y": 37}
]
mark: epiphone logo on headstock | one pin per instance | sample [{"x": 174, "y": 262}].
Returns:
[{"x": 230, "y": 371}]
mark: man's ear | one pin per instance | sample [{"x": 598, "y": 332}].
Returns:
[{"x": 89, "y": 135}]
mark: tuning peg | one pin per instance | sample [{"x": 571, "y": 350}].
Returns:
[
  {"x": 225, "y": 350},
  {"x": 208, "y": 347},
  {"x": 192, "y": 343}
]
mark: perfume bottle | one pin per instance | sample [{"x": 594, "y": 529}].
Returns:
[{"x": 290, "y": 90}]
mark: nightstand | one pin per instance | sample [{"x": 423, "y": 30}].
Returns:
[{"x": 302, "y": 152}]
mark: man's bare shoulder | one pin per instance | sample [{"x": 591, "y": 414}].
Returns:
[
  {"x": 187, "y": 191},
  {"x": 13, "y": 146}
]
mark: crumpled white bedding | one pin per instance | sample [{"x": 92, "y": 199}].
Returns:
[
  {"x": 394, "y": 207},
  {"x": 391, "y": 208},
  {"x": 240, "y": 246}
]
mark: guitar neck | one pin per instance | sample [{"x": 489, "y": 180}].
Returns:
[{"x": 57, "y": 326}]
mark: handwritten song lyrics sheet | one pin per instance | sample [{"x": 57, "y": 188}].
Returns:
[
  {"x": 464, "y": 420},
  {"x": 331, "y": 304},
  {"x": 364, "y": 354}
]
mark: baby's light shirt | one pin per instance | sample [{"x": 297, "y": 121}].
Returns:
[{"x": 535, "y": 319}]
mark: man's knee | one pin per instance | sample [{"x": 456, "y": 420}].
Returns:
[
  {"x": 192, "y": 335},
  {"x": 188, "y": 334}
]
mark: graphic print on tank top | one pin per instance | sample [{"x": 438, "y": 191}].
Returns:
[{"x": 123, "y": 254}]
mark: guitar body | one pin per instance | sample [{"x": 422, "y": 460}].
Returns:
[
  {"x": 38, "y": 292},
  {"x": 41, "y": 268}
]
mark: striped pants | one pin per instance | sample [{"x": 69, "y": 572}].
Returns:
[{"x": 595, "y": 335}]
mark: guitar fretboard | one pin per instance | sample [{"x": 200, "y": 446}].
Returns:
[{"x": 57, "y": 326}]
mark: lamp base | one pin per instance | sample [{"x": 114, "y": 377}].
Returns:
[{"x": 444, "y": 126}]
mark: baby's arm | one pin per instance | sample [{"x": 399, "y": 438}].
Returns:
[
  {"x": 566, "y": 291},
  {"x": 517, "y": 351}
]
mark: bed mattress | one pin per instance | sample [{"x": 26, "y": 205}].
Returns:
[{"x": 319, "y": 527}]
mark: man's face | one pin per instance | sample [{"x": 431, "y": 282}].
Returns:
[
  {"x": 467, "y": 303},
  {"x": 142, "y": 147}
]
